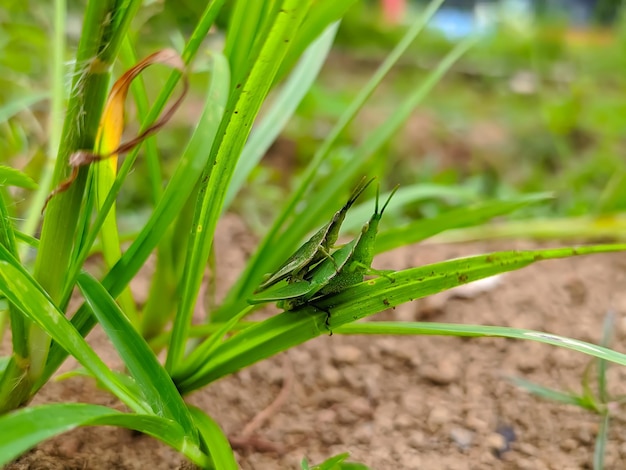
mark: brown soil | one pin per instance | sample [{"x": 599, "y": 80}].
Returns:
[{"x": 402, "y": 402}]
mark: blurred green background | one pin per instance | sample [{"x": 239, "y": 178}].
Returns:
[{"x": 539, "y": 104}]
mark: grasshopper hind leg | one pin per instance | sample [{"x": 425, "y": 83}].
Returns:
[{"x": 327, "y": 319}]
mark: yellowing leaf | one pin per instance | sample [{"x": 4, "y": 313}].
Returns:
[{"x": 112, "y": 121}]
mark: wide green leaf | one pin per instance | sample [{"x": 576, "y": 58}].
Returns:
[
  {"x": 22, "y": 429},
  {"x": 320, "y": 17},
  {"x": 174, "y": 198},
  {"x": 156, "y": 385},
  {"x": 26, "y": 294},
  {"x": 282, "y": 238},
  {"x": 288, "y": 329},
  {"x": 243, "y": 105},
  {"x": 217, "y": 442},
  {"x": 281, "y": 110}
]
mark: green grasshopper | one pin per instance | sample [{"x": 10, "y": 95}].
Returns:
[
  {"x": 347, "y": 266},
  {"x": 316, "y": 248}
]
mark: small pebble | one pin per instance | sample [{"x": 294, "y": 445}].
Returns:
[
  {"x": 403, "y": 421},
  {"x": 416, "y": 439},
  {"x": 439, "y": 416},
  {"x": 69, "y": 447},
  {"x": 527, "y": 449},
  {"x": 326, "y": 416},
  {"x": 569, "y": 444},
  {"x": 462, "y": 437},
  {"x": 361, "y": 407},
  {"x": 345, "y": 416},
  {"x": 497, "y": 443},
  {"x": 444, "y": 373},
  {"x": 330, "y": 375},
  {"x": 364, "y": 434},
  {"x": 347, "y": 354}
]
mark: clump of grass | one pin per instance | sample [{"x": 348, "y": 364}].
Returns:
[
  {"x": 594, "y": 396},
  {"x": 270, "y": 46}
]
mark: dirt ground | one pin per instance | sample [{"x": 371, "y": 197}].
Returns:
[{"x": 400, "y": 402}]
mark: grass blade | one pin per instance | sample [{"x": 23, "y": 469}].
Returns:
[
  {"x": 599, "y": 450},
  {"x": 28, "y": 296},
  {"x": 24, "y": 428},
  {"x": 477, "y": 331},
  {"x": 244, "y": 104},
  {"x": 283, "y": 107},
  {"x": 291, "y": 328},
  {"x": 472, "y": 214},
  {"x": 217, "y": 442},
  {"x": 174, "y": 198},
  {"x": 12, "y": 177},
  {"x": 550, "y": 394},
  {"x": 157, "y": 387},
  {"x": 270, "y": 251}
]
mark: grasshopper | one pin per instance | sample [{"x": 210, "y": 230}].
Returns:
[
  {"x": 316, "y": 248},
  {"x": 347, "y": 266}
]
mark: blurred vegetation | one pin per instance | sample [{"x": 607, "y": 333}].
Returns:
[
  {"x": 533, "y": 107},
  {"x": 530, "y": 108}
]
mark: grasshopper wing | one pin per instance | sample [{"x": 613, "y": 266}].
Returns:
[
  {"x": 317, "y": 247},
  {"x": 321, "y": 275},
  {"x": 298, "y": 260},
  {"x": 281, "y": 291}
]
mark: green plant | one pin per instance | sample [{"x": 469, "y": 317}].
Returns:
[
  {"x": 267, "y": 42},
  {"x": 596, "y": 400}
]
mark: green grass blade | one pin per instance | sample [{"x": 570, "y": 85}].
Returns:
[
  {"x": 243, "y": 106},
  {"x": 270, "y": 252},
  {"x": 10, "y": 109},
  {"x": 201, "y": 353},
  {"x": 379, "y": 294},
  {"x": 15, "y": 381},
  {"x": 608, "y": 328},
  {"x": 407, "y": 195},
  {"x": 24, "y": 428},
  {"x": 89, "y": 88},
  {"x": 12, "y": 177},
  {"x": 550, "y": 394},
  {"x": 188, "y": 171},
  {"x": 477, "y": 331},
  {"x": 55, "y": 117},
  {"x": 28, "y": 296},
  {"x": 377, "y": 138},
  {"x": 15, "y": 384},
  {"x": 174, "y": 198},
  {"x": 188, "y": 54},
  {"x": 217, "y": 442},
  {"x": 319, "y": 18},
  {"x": 599, "y": 450},
  {"x": 606, "y": 227},
  {"x": 244, "y": 30},
  {"x": 128, "y": 266},
  {"x": 288, "y": 329},
  {"x": 157, "y": 387},
  {"x": 331, "y": 463},
  {"x": 473, "y": 214},
  {"x": 282, "y": 108}
]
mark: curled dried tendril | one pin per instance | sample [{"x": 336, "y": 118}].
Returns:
[{"x": 83, "y": 157}]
